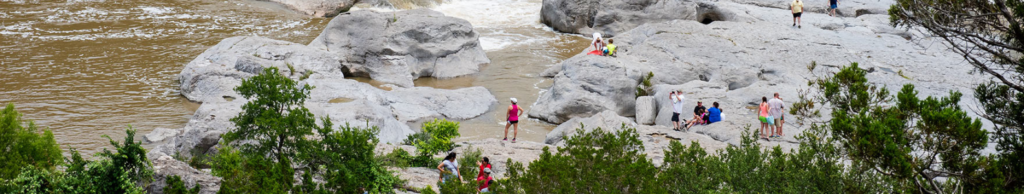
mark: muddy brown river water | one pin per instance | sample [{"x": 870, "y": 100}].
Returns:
[{"x": 87, "y": 68}]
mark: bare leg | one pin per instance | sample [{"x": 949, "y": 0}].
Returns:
[
  {"x": 763, "y": 131},
  {"x": 515, "y": 133},
  {"x": 506, "y": 129},
  {"x": 780, "y": 126}
]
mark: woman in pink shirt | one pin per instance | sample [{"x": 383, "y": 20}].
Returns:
[{"x": 512, "y": 116}]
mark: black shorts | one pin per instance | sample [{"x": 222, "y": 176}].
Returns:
[
  {"x": 513, "y": 122},
  {"x": 796, "y": 15},
  {"x": 675, "y": 117}
]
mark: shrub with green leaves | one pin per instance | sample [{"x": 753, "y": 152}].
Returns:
[
  {"x": 176, "y": 186},
  {"x": 274, "y": 138},
  {"x": 907, "y": 138},
  {"x": 440, "y": 133},
  {"x": 594, "y": 162},
  {"x": 125, "y": 171},
  {"x": 22, "y": 146}
]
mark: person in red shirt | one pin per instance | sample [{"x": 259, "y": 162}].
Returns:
[
  {"x": 485, "y": 163},
  {"x": 485, "y": 181}
]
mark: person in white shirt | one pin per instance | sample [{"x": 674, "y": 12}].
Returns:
[
  {"x": 677, "y": 107},
  {"x": 775, "y": 109}
]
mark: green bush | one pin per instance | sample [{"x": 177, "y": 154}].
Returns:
[
  {"x": 22, "y": 146},
  {"x": 283, "y": 142},
  {"x": 594, "y": 162},
  {"x": 440, "y": 133},
  {"x": 604, "y": 162},
  {"x": 124, "y": 171},
  {"x": 176, "y": 186}
]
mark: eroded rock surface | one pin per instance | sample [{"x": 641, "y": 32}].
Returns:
[
  {"x": 165, "y": 166},
  {"x": 401, "y": 46},
  {"x": 318, "y": 8},
  {"x": 611, "y": 17}
]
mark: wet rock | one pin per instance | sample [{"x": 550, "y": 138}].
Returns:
[
  {"x": 401, "y": 46},
  {"x": 611, "y": 17},
  {"x": 165, "y": 166},
  {"x": 319, "y": 8},
  {"x": 587, "y": 85},
  {"x": 606, "y": 120},
  {"x": 159, "y": 134},
  {"x": 646, "y": 110}
]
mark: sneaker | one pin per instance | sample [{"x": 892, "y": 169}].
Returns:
[
  {"x": 799, "y": 26},
  {"x": 513, "y": 140},
  {"x": 794, "y": 24},
  {"x": 506, "y": 139}
]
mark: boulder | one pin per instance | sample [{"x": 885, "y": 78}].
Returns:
[
  {"x": 213, "y": 75},
  {"x": 587, "y": 85},
  {"x": 159, "y": 134},
  {"x": 606, "y": 120},
  {"x": 401, "y": 46},
  {"x": 611, "y": 17},
  {"x": 318, "y": 8},
  {"x": 165, "y": 166},
  {"x": 203, "y": 130},
  {"x": 646, "y": 110}
]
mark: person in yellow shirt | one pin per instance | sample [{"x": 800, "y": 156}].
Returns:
[
  {"x": 609, "y": 50},
  {"x": 798, "y": 9}
]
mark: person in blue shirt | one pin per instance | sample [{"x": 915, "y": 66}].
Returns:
[{"x": 714, "y": 113}]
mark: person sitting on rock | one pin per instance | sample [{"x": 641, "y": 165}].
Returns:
[
  {"x": 609, "y": 50},
  {"x": 699, "y": 114},
  {"x": 714, "y": 113}
]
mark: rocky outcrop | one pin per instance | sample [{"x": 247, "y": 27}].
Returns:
[
  {"x": 722, "y": 62},
  {"x": 401, "y": 46},
  {"x": 646, "y": 110},
  {"x": 606, "y": 120},
  {"x": 587, "y": 85},
  {"x": 213, "y": 75},
  {"x": 159, "y": 134},
  {"x": 318, "y": 8},
  {"x": 165, "y": 166},
  {"x": 611, "y": 17}
]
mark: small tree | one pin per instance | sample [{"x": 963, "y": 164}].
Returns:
[
  {"x": 275, "y": 118},
  {"x": 913, "y": 140},
  {"x": 990, "y": 36}
]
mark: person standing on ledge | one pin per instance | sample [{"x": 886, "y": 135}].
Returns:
[
  {"x": 833, "y": 4},
  {"x": 798, "y": 9},
  {"x": 512, "y": 116},
  {"x": 776, "y": 109},
  {"x": 677, "y": 108}
]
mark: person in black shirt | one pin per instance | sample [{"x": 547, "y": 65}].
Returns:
[{"x": 698, "y": 115}]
